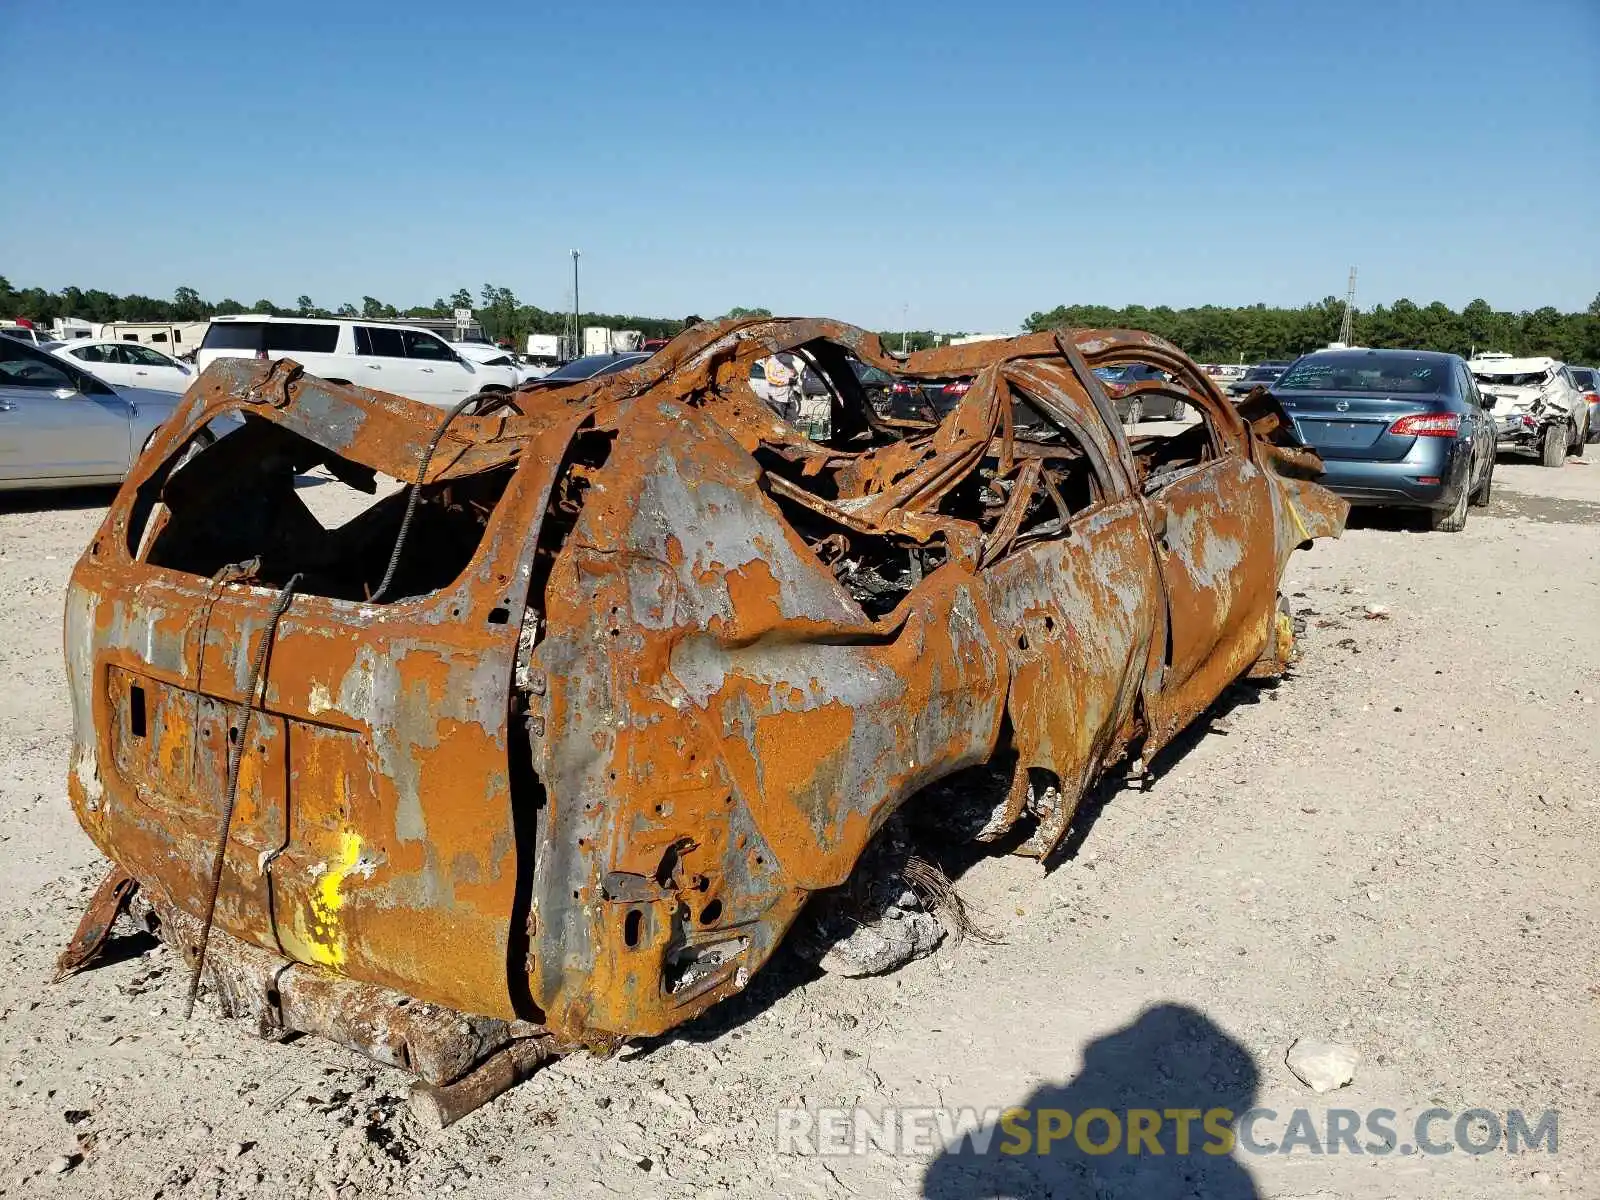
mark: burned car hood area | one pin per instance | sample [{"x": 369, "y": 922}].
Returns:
[{"x": 650, "y": 669}]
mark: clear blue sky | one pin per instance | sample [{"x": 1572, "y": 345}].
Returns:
[{"x": 970, "y": 163}]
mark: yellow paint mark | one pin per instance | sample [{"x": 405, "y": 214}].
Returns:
[
  {"x": 1305, "y": 534},
  {"x": 1286, "y": 653},
  {"x": 325, "y": 939}
]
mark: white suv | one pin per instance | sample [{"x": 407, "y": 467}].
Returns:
[{"x": 388, "y": 358}]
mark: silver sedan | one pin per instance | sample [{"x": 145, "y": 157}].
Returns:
[{"x": 62, "y": 427}]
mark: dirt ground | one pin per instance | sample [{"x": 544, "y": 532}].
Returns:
[{"x": 1394, "y": 849}]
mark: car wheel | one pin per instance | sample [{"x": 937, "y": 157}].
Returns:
[
  {"x": 1452, "y": 520},
  {"x": 1480, "y": 497},
  {"x": 1579, "y": 437},
  {"x": 1553, "y": 448}
]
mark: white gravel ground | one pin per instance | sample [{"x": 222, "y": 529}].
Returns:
[{"x": 1394, "y": 850}]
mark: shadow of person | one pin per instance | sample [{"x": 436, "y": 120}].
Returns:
[{"x": 1170, "y": 1072}]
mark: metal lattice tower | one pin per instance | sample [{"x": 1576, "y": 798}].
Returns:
[{"x": 1347, "y": 327}]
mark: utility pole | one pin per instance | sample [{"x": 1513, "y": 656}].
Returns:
[
  {"x": 1347, "y": 327},
  {"x": 578, "y": 333},
  {"x": 905, "y": 326}
]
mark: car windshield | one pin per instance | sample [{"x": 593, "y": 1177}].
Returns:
[
  {"x": 872, "y": 376},
  {"x": 1512, "y": 379},
  {"x": 1262, "y": 374},
  {"x": 591, "y": 365},
  {"x": 1367, "y": 372}
]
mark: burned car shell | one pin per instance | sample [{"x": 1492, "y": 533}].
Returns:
[{"x": 657, "y": 666}]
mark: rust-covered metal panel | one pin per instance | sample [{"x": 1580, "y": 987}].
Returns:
[{"x": 655, "y": 665}]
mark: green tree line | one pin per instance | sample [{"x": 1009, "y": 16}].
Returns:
[
  {"x": 1251, "y": 334},
  {"x": 497, "y": 309},
  {"x": 1209, "y": 333}
]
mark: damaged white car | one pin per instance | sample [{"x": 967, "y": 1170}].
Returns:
[{"x": 1536, "y": 404}]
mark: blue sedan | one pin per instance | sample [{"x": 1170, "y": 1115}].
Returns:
[{"x": 1401, "y": 428}]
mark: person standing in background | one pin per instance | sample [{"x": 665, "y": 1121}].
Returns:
[{"x": 783, "y": 386}]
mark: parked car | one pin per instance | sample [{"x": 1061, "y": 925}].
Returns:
[
  {"x": 567, "y": 735},
  {"x": 1587, "y": 381},
  {"x": 1119, "y": 383},
  {"x": 1261, "y": 375},
  {"x": 1539, "y": 408},
  {"x": 22, "y": 333},
  {"x": 875, "y": 381},
  {"x": 61, "y": 426},
  {"x": 589, "y": 367},
  {"x": 1395, "y": 428},
  {"x": 127, "y": 364},
  {"x": 925, "y": 399},
  {"x": 389, "y": 358}
]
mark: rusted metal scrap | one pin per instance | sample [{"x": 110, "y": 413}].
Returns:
[{"x": 652, "y": 668}]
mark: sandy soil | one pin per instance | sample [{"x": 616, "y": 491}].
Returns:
[{"x": 1395, "y": 849}]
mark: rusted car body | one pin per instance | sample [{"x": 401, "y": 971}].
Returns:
[{"x": 653, "y": 669}]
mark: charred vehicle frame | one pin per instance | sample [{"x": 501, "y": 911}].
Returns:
[{"x": 549, "y": 747}]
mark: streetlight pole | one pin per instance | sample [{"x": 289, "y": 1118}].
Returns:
[{"x": 577, "y": 332}]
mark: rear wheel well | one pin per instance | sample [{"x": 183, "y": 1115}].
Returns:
[{"x": 198, "y": 442}]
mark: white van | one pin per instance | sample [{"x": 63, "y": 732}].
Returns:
[{"x": 388, "y": 358}]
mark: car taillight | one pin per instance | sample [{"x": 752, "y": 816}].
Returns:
[
  {"x": 958, "y": 387},
  {"x": 1427, "y": 425},
  {"x": 901, "y": 389}
]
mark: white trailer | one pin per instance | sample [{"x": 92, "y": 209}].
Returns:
[
  {"x": 179, "y": 339},
  {"x": 544, "y": 346},
  {"x": 596, "y": 339}
]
